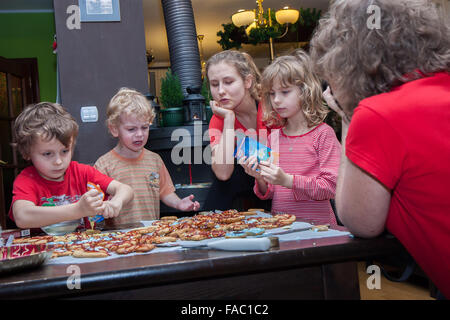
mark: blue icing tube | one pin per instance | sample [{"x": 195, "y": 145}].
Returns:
[
  {"x": 98, "y": 218},
  {"x": 254, "y": 231},
  {"x": 235, "y": 234}
]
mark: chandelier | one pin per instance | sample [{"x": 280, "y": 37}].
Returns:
[{"x": 255, "y": 19}]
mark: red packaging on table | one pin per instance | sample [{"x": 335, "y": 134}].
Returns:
[
  {"x": 21, "y": 250},
  {"x": 17, "y": 233}
]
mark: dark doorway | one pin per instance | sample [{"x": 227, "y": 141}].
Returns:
[{"x": 19, "y": 86}]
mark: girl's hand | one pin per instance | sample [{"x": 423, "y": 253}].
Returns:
[
  {"x": 220, "y": 111},
  {"x": 91, "y": 203},
  {"x": 186, "y": 204},
  {"x": 250, "y": 166},
  {"x": 273, "y": 174}
]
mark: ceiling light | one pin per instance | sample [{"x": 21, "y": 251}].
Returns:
[
  {"x": 243, "y": 17},
  {"x": 287, "y": 15}
]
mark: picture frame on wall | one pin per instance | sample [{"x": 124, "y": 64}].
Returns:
[{"x": 99, "y": 10}]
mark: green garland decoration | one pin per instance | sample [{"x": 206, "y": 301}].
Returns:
[{"x": 233, "y": 37}]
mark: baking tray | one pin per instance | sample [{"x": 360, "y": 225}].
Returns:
[{"x": 24, "y": 262}]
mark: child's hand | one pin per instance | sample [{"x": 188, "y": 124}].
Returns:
[
  {"x": 112, "y": 209},
  {"x": 91, "y": 203},
  {"x": 186, "y": 204},
  {"x": 250, "y": 166},
  {"x": 275, "y": 175},
  {"x": 220, "y": 111}
]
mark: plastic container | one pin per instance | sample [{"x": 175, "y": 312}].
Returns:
[
  {"x": 172, "y": 117},
  {"x": 61, "y": 228}
]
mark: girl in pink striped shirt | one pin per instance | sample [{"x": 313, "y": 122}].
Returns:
[{"x": 303, "y": 180}]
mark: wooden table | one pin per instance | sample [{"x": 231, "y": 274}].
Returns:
[{"x": 306, "y": 269}]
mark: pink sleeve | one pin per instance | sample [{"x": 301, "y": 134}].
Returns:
[
  {"x": 270, "y": 188},
  {"x": 323, "y": 185},
  {"x": 267, "y": 195}
]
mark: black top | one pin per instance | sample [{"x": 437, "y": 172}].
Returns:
[{"x": 235, "y": 193}]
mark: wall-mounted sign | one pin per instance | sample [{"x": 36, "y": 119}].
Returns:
[{"x": 99, "y": 10}]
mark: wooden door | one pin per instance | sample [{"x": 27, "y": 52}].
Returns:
[{"x": 18, "y": 88}]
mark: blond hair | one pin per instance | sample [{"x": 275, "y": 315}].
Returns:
[
  {"x": 44, "y": 120},
  {"x": 295, "y": 69},
  {"x": 131, "y": 103},
  {"x": 244, "y": 65},
  {"x": 362, "y": 61}
]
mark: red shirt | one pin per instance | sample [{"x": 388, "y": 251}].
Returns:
[
  {"x": 29, "y": 185},
  {"x": 402, "y": 138},
  {"x": 216, "y": 128}
]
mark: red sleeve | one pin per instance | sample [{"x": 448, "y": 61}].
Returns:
[
  {"x": 259, "y": 118},
  {"x": 263, "y": 130},
  {"x": 374, "y": 145},
  {"x": 267, "y": 195},
  {"x": 215, "y": 129},
  {"x": 24, "y": 188},
  {"x": 95, "y": 176}
]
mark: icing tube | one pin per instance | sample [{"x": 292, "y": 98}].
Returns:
[
  {"x": 93, "y": 222},
  {"x": 254, "y": 244}
]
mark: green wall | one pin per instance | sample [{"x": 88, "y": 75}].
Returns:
[{"x": 30, "y": 35}]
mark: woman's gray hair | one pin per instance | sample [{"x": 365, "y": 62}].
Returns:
[{"x": 362, "y": 60}]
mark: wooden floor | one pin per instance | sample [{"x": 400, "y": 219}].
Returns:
[{"x": 390, "y": 290}]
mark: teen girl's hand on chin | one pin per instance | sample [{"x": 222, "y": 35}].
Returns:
[
  {"x": 273, "y": 174},
  {"x": 220, "y": 111}
]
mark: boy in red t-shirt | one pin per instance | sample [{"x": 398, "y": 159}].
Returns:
[{"x": 54, "y": 188}]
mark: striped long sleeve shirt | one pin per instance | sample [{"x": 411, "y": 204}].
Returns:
[{"x": 313, "y": 159}]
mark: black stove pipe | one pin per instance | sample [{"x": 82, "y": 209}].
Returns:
[{"x": 182, "y": 39}]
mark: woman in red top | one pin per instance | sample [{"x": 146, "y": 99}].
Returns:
[
  {"x": 234, "y": 82},
  {"x": 388, "y": 64}
]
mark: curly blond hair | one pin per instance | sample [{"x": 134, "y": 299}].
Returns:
[
  {"x": 361, "y": 61},
  {"x": 44, "y": 120},
  {"x": 244, "y": 65},
  {"x": 131, "y": 103},
  {"x": 295, "y": 69}
]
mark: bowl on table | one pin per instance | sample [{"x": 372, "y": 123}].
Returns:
[{"x": 61, "y": 228}]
